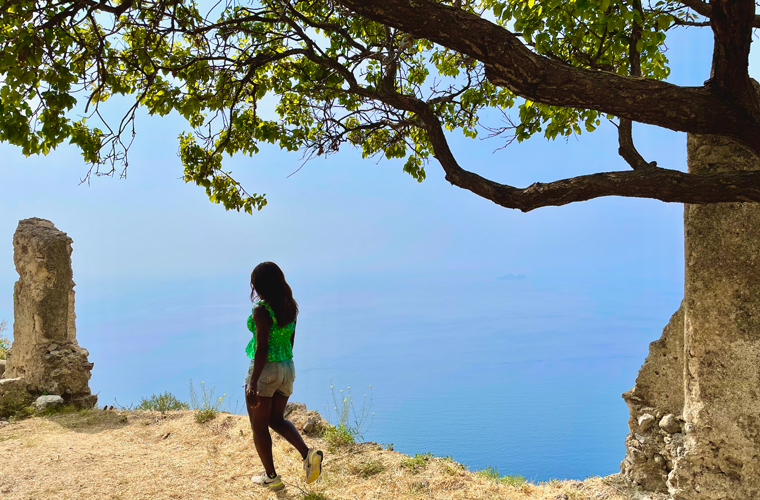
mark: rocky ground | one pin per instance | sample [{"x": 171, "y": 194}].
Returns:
[{"x": 102, "y": 454}]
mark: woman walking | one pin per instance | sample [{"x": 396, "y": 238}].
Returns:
[{"x": 271, "y": 373}]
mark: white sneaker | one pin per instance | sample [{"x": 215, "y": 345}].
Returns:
[
  {"x": 312, "y": 465},
  {"x": 274, "y": 484}
]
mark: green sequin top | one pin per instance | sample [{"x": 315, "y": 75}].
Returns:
[{"x": 280, "y": 348}]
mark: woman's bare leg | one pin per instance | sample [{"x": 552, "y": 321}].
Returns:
[
  {"x": 285, "y": 428},
  {"x": 259, "y": 417}
]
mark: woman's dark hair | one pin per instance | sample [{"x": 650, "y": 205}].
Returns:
[{"x": 268, "y": 282}]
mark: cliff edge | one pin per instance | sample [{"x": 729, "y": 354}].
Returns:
[{"x": 111, "y": 454}]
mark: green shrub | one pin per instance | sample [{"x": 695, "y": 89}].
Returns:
[
  {"x": 208, "y": 407},
  {"x": 16, "y": 410},
  {"x": 337, "y": 437},
  {"x": 416, "y": 463},
  {"x": 491, "y": 473},
  {"x": 162, "y": 402}
]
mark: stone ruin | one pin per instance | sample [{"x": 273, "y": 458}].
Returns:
[
  {"x": 44, "y": 356},
  {"x": 695, "y": 408},
  {"x": 656, "y": 401}
]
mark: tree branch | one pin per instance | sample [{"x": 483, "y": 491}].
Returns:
[
  {"x": 704, "y": 9},
  {"x": 105, "y": 7},
  {"x": 626, "y": 147},
  {"x": 681, "y": 22},
  {"x": 511, "y": 64},
  {"x": 660, "y": 184},
  {"x": 657, "y": 183}
]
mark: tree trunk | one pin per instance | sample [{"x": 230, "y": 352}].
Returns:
[{"x": 721, "y": 337}]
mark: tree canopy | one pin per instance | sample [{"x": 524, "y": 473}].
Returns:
[{"x": 391, "y": 77}]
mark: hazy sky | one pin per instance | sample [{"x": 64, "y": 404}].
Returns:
[{"x": 341, "y": 213}]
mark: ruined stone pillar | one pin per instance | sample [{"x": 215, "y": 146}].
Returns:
[
  {"x": 45, "y": 356},
  {"x": 695, "y": 408},
  {"x": 656, "y": 404},
  {"x": 721, "y": 338}
]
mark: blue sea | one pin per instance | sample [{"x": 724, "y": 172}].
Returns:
[{"x": 522, "y": 373}]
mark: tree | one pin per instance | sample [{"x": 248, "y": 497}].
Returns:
[{"x": 392, "y": 77}]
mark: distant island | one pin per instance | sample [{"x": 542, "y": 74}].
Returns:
[{"x": 512, "y": 277}]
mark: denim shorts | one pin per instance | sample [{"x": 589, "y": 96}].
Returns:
[{"x": 277, "y": 376}]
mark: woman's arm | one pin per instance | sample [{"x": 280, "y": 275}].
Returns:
[{"x": 263, "y": 324}]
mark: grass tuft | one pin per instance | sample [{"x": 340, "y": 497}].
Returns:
[
  {"x": 368, "y": 468},
  {"x": 315, "y": 496},
  {"x": 416, "y": 463},
  {"x": 418, "y": 486},
  {"x": 58, "y": 409},
  {"x": 205, "y": 415},
  {"x": 517, "y": 480},
  {"x": 208, "y": 407},
  {"x": 491, "y": 473},
  {"x": 451, "y": 467}
]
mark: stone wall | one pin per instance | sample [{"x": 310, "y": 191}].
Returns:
[
  {"x": 45, "y": 355},
  {"x": 656, "y": 405}
]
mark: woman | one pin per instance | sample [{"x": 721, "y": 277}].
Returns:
[{"x": 270, "y": 378}]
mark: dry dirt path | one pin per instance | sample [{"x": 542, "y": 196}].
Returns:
[{"x": 143, "y": 455}]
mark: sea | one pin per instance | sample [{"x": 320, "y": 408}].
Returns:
[{"x": 521, "y": 373}]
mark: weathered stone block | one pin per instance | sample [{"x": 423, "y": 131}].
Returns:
[
  {"x": 670, "y": 424},
  {"x": 45, "y": 402},
  {"x": 292, "y": 407},
  {"x": 13, "y": 396},
  {"x": 10, "y": 385},
  {"x": 645, "y": 421}
]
